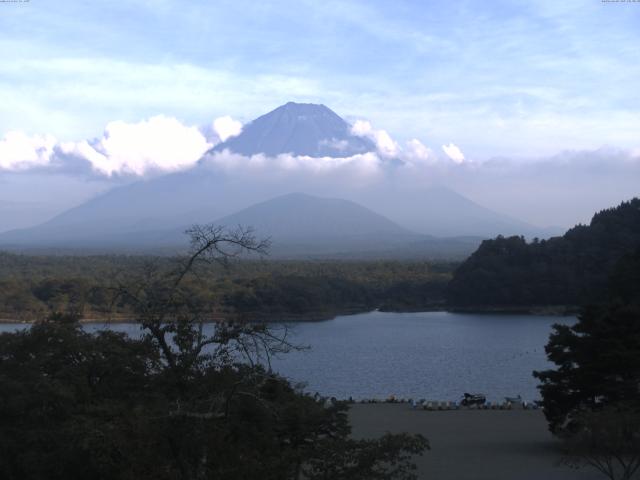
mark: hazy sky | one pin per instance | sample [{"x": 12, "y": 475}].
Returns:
[{"x": 468, "y": 79}]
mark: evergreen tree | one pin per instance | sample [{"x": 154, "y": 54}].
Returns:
[{"x": 598, "y": 358}]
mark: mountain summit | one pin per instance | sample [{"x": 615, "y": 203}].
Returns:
[{"x": 299, "y": 129}]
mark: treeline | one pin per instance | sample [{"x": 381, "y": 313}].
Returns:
[
  {"x": 32, "y": 287},
  {"x": 568, "y": 270}
]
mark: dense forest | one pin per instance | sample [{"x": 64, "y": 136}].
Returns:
[
  {"x": 568, "y": 270},
  {"x": 32, "y": 287}
]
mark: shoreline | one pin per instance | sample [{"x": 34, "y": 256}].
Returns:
[
  {"x": 321, "y": 316},
  {"x": 542, "y": 310}
]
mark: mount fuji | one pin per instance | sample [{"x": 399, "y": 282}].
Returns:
[{"x": 151, "y": 214}]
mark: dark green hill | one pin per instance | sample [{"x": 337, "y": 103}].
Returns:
[{"x": 568, "y": 270}]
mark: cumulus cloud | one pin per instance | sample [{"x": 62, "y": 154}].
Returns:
[
  {"x": 386, "y": 146},
  {"x": 160, "y": 143},
  {"x": 417, "y": 152},
  {"x": 413, "y": 153},
  {"x": 163, "y": 144},
  {"x": 365, "y": 165},
  {"x": 18, "y": 151},
  {"x": 226, "y": 127},
  {"x": 453, "y": 152}
]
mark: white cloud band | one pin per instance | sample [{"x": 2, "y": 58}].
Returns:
[
  {"x": 226, "y": 127},
  {"x": 160, "y": 143},
  {"x": 18, "y": 151}
]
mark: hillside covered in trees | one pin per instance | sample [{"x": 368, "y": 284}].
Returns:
[
  {"x": 562, "y": 271},
  {"x": 32, "y": 287}
]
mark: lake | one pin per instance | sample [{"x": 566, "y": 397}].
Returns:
[{"x": 433, "y": 355}]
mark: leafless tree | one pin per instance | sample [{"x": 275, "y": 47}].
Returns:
[{"x": 174, "y": 318}]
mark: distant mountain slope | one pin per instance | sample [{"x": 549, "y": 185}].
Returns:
[
  {"x": 443, "y": 212},
  {"x": 302, "y": 225},
  {"x": 568, "y": 270},
  {"x": 128, "y": 214},
  {"x": 299, "y": 129},
  {"x": 134, "y": 214},
  {"x": 298, "y": 216},
  {"x": 299, "y": 225},
  {"x": 147, "y": 214}
]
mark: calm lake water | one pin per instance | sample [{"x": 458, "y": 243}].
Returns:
[{"x": 433, "y": 355}]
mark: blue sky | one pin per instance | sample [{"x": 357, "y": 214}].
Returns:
[{"x": 516, "y": 78}]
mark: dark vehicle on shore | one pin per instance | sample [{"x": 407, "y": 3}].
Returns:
[{"x": 469, "y": 399}]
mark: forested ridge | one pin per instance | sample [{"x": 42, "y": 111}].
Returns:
[
  {"x": 569, "y": 270},
  {"x": 32, "y": 287}
]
